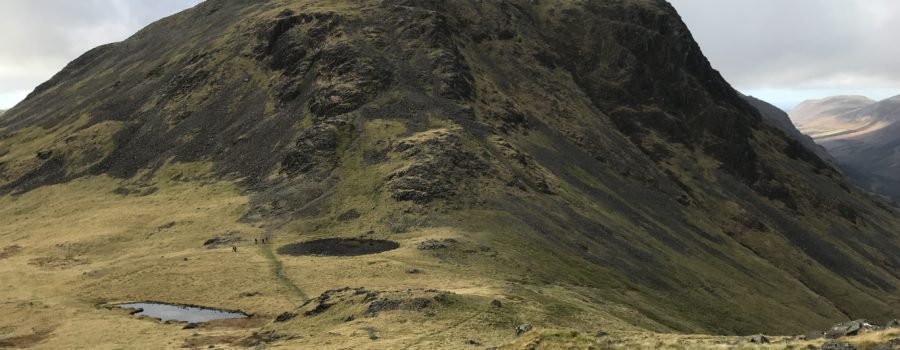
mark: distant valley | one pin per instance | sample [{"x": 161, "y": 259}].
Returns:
[{"x": 861, "y": 134}]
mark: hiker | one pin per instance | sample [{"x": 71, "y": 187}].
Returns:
[{"x": 234, "y": 248}]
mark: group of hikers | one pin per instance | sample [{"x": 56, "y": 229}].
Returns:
[{"x": 255, "y": 241}]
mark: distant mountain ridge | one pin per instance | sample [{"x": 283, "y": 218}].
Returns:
[
  {"x": 829, "y": 106},
  {"x": 862, "y": 135}
]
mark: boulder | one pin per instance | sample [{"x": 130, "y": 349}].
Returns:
[
  {"x": 758, "y": 339},
  {"x": 379, "y": 306},
  {"x": 850, "y": 328},
  {"x": 284, "y": 317},
  {"x": 523, "y": 328}
]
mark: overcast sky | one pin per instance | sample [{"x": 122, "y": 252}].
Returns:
[
  {"x": 38, "y": 37},
  {"x": 783, "y": 51}
]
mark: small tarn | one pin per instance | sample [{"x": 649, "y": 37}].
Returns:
[
  {"x": 339, "y": 247},
  {"x": 190, "y": 314}
]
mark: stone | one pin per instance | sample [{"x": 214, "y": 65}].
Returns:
[
  {"x": 166, "y": 226},
  {"x": 380, "y": 306},
  {"x": 523, "y": 328},
  {"x": 413, "y": 270},
  {"x": 318, "y": 309},
  {"x": 496, "y": 303},
  {"x": 849, "y": 328},
  {"x": 284, "y": 317},
  {"x": 420, "y": 303},
  {"x": 758, "y": 339}
]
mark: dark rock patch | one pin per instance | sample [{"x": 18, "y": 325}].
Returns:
[
  {"x": 419, "y": 304},
  {"x": 433, "y": 244},
  {"x": 320, "y": 308},
  {"x": 44, "y": 154},
  {"x": 261, "y": 338},
  {"x": 339, "y": 247},
  {"x": 285, "y": 316},
  {"x": 226, "y": 239},
  {"x": 380, "y": 306},
  {"x": 348, "y": 215},
  {"x": 166, "y": 226}
]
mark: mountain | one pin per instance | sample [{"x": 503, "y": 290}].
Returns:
[
  {"x": 861, "y": 136},
  {"x": 575, "y": 166},
  {"x": 828, "y": 107},
  {"x": 782, "y": 121}
]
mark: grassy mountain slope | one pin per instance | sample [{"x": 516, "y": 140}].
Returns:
[
  {"x": 782, "y": 121},
  {"x": 580, "y": 162}
]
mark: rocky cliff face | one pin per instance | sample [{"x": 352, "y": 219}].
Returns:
[
  {"x": 589, "y": 143},
  {"x": 782, "y": 121}
]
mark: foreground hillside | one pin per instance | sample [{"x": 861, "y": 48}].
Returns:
[
  {"x": 574, "y": 166},
  {"x": 863, "y": 135}
]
